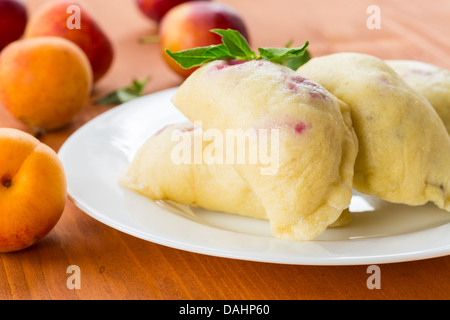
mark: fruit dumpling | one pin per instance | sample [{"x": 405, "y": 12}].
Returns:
[
  {"x": 429, "y": 80},
  {"x": 305, "y": 183},
  {"x": 158, "y": 173},
  {"x": 404, "y": 148}
]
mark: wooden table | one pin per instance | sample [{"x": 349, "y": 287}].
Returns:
[{"x": 115, "y": 265}]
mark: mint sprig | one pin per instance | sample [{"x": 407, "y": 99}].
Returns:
[
  {"x": 198, "y": 56},
  {"x": 297, "y": 62},
  {"x": 235, "y": 46},
  {"x": 280, "y": 55},
  {"x": 122, "y": 95}
]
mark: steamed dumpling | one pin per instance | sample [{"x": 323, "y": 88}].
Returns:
[
  {"x": 308, "y": 182},
  {"x": 430, "y": 81},
  {"x": 155, "y": 172},
  {"x": 404, "y": 148}
]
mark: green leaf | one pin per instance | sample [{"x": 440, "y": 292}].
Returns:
[
  {"x": 109, "y": 99},
  {"x": 297, "y": 62},
  {"x": 125, "y": 95},
  {"x": 135, "y": 90},
  {"x": 280, "y": 55},
  {"x": 195, "y": 57},
  {"x": 236, "y": 44}
]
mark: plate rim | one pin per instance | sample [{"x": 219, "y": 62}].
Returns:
[{"x": 347, "y": 261}]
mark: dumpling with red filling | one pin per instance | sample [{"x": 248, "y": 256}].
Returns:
[
  {"x": 158, "y": 172},
  {"x": 305, "y": 182},
  {"x": 429, "y": 80},
  {"x": 404, "y": 148}
]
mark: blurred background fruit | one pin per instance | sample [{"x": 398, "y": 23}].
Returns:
[
  {"x": 44, "y": 81},
  {"x": 188, "y": 26},
  {"x": 13, "y": 20},
  {"x": 156, "y": 9},
  {"x": 33, "y": 190},
  {"x": 51, "y": 20}
]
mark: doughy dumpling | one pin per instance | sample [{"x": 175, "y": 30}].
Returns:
[
  {"x": 430, "y": 81},
  {"x": 314, "y": 149},
  {"x": 154, "y": 173},
  {"x": 404, "y": 148},
  {"x": 157, "y": 174}
]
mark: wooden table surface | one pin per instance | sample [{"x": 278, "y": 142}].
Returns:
[{"x": 115, "y": 265}]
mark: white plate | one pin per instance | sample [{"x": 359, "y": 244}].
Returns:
[{"x": 94, "y": 156}]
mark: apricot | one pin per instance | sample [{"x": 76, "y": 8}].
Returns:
[
  {"x": 13, "y": 20},
  {"x": 156, "y": 9},
  {"x": 44, "y": 82},
  {"x": 33, "y": 190},
  {"x": 52, "y": 20},
  {"x": 188, "y": 26}
]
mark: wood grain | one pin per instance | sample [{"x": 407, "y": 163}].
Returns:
[{"x": 118, "y": 266}]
